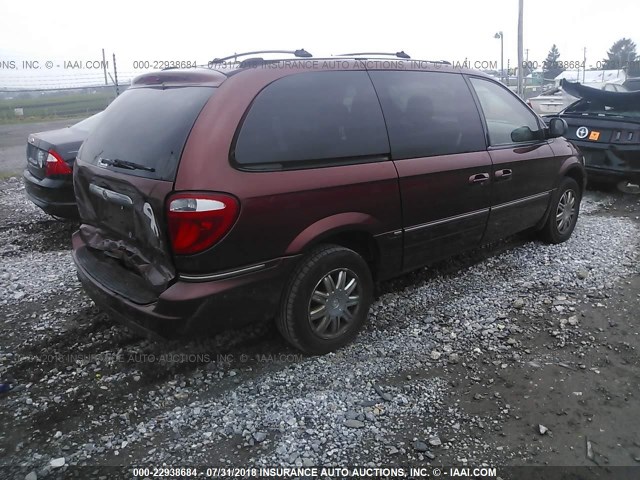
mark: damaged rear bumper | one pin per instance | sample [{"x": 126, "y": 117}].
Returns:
[{"x": 188, "y": 308}]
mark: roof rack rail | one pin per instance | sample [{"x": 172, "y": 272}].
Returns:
[
  {"x": 399, "y": 54},
  {"x": 253, "y": 62},
  {"x": 301, "y": 53}
]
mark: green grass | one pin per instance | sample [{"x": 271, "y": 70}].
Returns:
[
  {"x": 54, "y": 107},
  {"x": 73, "y": 118}
]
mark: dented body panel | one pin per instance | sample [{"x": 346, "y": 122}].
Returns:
[{"x": 119, "y": 220}]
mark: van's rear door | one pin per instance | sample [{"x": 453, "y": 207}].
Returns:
[{"x": 124, "y": 172}]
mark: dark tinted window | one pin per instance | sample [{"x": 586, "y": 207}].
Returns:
[
  {"x": 428, "y": 113},
  {"x": 508, "y": 119},
  {"x": 147, "y": 126},
  {"x": 313, "y": 117}
]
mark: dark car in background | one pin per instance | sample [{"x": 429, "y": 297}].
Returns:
[
  {"x": 605, "y": 126},
  {"x": 48, "y": 177},
  {"x": 213, "y": 197}
]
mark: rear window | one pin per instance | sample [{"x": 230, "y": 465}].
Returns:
[{"x": 147, "y": 127}]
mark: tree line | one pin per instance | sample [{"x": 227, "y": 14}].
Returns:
[{"x": 621, "y": 55}]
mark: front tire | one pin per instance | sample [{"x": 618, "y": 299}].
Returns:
[
  {"x": 563, "y": 216},
  {"x": 327, "y": 300}
]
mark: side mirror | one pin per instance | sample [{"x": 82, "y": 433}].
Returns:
[
  {"x": 557, "y": 127},
  {"x": 522, "y": 134}
]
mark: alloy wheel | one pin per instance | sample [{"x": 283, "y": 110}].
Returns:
[
  {"x": 566, "y": 211},
  {"x": 333, "y": 303}
]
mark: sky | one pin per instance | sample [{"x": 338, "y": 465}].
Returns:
[{"x": 453, "y": 30}]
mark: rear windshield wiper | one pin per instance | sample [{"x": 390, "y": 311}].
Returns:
[{"x": 115, "y": 162}]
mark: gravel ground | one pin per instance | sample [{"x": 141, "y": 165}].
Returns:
[{"x": 460, "y": 364}]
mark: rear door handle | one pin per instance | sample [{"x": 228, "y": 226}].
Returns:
[
  {"x": 479, "y": 178},
  {"x": 504, "y": 174}
]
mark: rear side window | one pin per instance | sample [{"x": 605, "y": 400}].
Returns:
[
  {"x": 146, "y": 126},
  {"x": 428, "y": 113},
  {"x": 312, "y": 118}
]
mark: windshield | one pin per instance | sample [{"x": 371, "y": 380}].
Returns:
[{"x": 147, "y": 127}]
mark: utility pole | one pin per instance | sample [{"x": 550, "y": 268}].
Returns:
[
  {"x": 502, "y": 56},
  {"x": 584, "y": 63},
  {"x": 520, "y": 77},
  {"x": 104, "y": 68},
  {"x": 500, "y": 35},
  {"x": 115, "y": 74}
]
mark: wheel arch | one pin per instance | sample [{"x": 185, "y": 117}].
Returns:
[
  {"x": 353, "y": 230},
  {"x": 573, "y": 168},
  {"x": 579, "y": 175},
  {"x": 574, "y": 171}
]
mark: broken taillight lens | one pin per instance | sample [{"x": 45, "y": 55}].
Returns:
[
  {"x": 196, "y": 221},
  {"x": 55, "y": 165}
]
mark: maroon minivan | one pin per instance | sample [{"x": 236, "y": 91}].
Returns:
[{"x": 285, "y": 189}]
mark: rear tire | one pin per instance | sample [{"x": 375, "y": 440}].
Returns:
[
  {"x": 565, "y": 207},
  {"x": 326, "y": 301}
]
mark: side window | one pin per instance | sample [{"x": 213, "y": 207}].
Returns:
[
  {"x": 308, "y": 117},
  {"x": 428, "y": 113},
  {"x": 508, "y": 120}
]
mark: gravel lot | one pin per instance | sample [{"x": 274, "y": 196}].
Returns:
[{"x": 517, "y": 354}]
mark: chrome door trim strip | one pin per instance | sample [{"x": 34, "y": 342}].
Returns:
[
  {"x": 522, "y": 200},
  {"x": 448, "y": 219}
]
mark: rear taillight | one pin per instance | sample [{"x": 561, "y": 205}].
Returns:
[
  {"x": 196, "y": 221},
  {"x": 55, "y": 165}
]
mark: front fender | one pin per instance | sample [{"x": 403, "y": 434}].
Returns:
[
  {"x": 572, "y": 160},
  {"x": 570, "y": 167}
]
